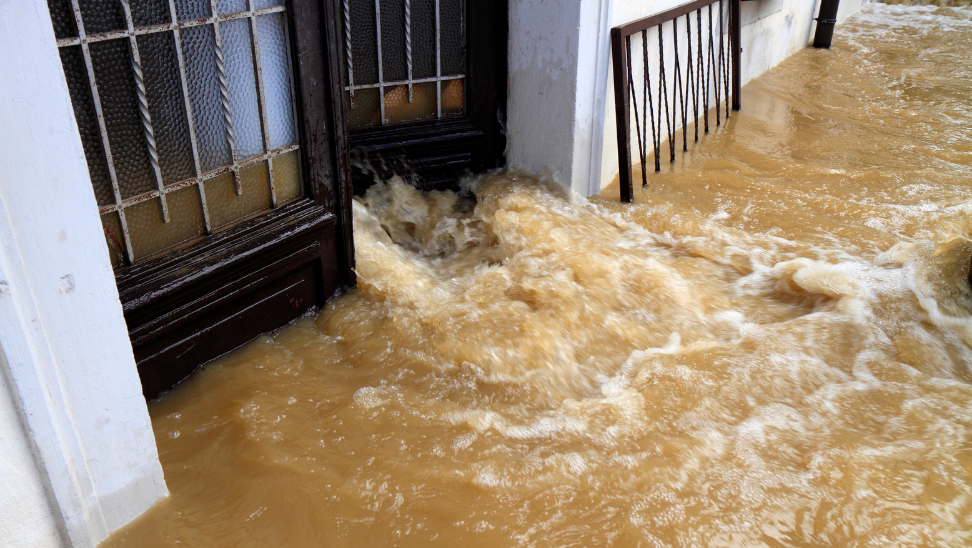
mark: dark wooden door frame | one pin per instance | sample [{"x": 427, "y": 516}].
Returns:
[{"x": 192, "y": 304}]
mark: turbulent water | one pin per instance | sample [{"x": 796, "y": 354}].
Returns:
[{"x": 773, "y": 347}]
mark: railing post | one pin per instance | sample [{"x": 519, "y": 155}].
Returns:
[
  {"x": 622, "y": 108},
  {"x": 734, "y": 37}
]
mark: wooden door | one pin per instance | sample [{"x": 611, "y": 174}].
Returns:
[{"x": 215, "y": 140}]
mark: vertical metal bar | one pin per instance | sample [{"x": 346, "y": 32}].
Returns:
[
  {"x": 622, "y": 105},
  {"x": 224, "y": 97},
  {"x": 642, "y": 139},
  {"x": 734, "y": 40},
  {"x": 438, "y": 66},
  {"x": 699, "y": 77},
  {"x": 650, "y": 109},
  {"x": 261, "y": 98},
  {"x": 408, "y": 45},
  {"x": 189, "y": 116},
  {"x": 96, "y": 99},
  {"x": 663, "y": 88},
  {"x": 143, "y": 110},
  {"x": 719, "y": 68},
  {"x": 347, "y": 49},
  {"x": 381, "y": 76}
]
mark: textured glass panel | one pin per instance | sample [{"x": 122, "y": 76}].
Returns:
[
  {"x": 192, "y": 9},
  {"x": 63, "y": 18},
  {"x": 116, "y": 84},
  {"x": 223, "y": 203},
  {"x": 286, "y": 176},
  {"x": 114, "y": 239},
  {"x": 452, "y": 36},
  {"x": 398, "y": 109},
  {"x": 364, "y": 45},
  {"x": 164, "y": 90},
  {"x": 101, "y": 15},
  {"x": 224, "y": 7},
  {"x": 241, "y": 81},
  {"x": 393, "y": 40},
  {"x": 423, "y": 38},
  {"x": 84, "y": 113},
  {"x": 366, "y": 111},
  {"x": 257, "y": 4},
  {"x": 150, "y": 12},
  {"x": 150, "y": 235},
  {"x": 453, "y": 96},
  {"x": 199, "y": 51},
  {"x": 276, "y": 79}
]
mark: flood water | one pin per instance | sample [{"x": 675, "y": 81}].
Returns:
[{"x": 773, "y": 347}]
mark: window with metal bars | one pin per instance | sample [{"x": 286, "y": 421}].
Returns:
[
  {"x": 187, "y": 115},
  {"x": 405, "y": 60}
]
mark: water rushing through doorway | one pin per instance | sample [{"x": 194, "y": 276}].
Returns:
[{"x": 772, "y": 347}]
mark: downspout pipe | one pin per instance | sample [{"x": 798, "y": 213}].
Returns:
[{"x": 826, "y": 20}]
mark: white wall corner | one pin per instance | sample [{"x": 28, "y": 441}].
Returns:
[
  {"x": 551, "y": 95},
  {"x": 67, "y": 359}
]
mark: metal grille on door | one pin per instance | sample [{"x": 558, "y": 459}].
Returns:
[
  {"x": 186, "y": 114},
  {"x": 405, "y": 60}
]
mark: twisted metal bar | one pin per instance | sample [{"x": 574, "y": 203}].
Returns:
[
  {"x": 347, "y": 49},
  {"x": 224, "y": 104},
  {"x": 650, "y": 102},
  {"x": 143, "y": 110},
  {"x": 408, "y": 45},
  {"x": 145, "y": 116}
]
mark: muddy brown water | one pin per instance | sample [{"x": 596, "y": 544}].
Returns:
[{"x": 770, "y": 348}]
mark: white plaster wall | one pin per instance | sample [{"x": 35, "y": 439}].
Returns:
[
  {"x": 561, "y": 96},
  {"x": 26, "y": 517},
  {"x": 69, "y": 372}
]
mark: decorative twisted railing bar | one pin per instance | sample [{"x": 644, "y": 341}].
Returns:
[{"x": 710, "y": 67}]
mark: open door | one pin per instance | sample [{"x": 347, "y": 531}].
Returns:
[{"x": 424, "y": 86}]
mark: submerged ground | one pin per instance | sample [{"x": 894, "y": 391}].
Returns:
[{"x": 771, "y": 348}]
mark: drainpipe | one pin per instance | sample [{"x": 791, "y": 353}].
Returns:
[{"x": 826, "y": 20}]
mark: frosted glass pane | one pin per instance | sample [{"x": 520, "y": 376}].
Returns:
[
  {"x": 241, "y": 81},
  {"x": 423, "y": 38},
  {"x": 116, "y": 84},
  {"x": 113, "y": 237},
  {"x": 366, "y": 111},
  {"x": 84, "y": 113},
  {"x": 393, "y": 57},
  {"x": 224, "y": 7},
  {"x": 192, "y": 9},
  {"x": 286, "y": 176},
  {"x": 398, "y": 109},
  {"x": 199, "y": 51},
  {"x": 225, "y": 206},
  {"x": 452, "y": 37},
  {"x": 150, "y": 235},
  {"x": 62, "y": 15},
  {"x": 257, "y": 4},
  {"x": 150, "y": 12},
  {"x": 364, "y": 42},
  {"x": 164, "y": 90},
  {"x": 101, "y": 15},
  {"x": 453, "y": 97},
  {"x": 276, "y": 79}
]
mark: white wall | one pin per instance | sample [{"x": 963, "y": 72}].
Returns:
[
  {"x": 561, "y": 100},
  {"x": 78, "y": 454}
]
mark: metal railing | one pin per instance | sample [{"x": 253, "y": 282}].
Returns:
[{"x": 708, "y": 72}]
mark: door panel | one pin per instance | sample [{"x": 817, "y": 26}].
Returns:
[{"x": 219, "y": 161}]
